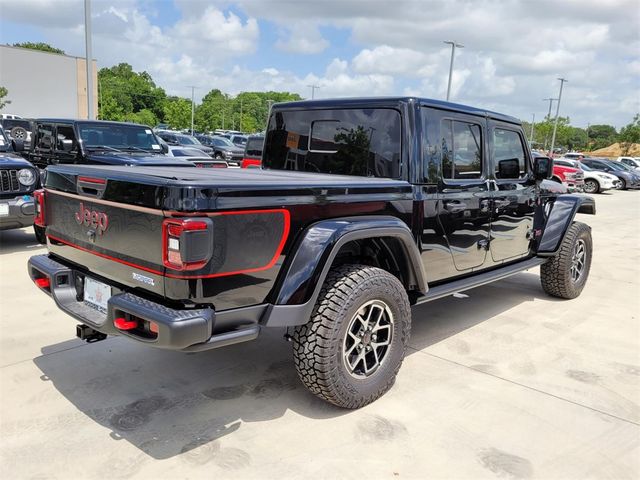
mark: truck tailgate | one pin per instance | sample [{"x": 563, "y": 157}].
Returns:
[{"x": 122, "y": 243}]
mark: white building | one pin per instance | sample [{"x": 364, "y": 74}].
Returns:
[{"x": 43, "y": 84}]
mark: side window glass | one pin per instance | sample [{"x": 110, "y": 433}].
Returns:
[
  {"x": 508, "y": 154},
  {"x": 45, "y": 137},
  {"x": 461, "y": 150},
  {"x": 66, "y": 139}
]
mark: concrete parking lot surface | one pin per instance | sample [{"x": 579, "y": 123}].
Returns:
[{"x": 502, "y": 382}]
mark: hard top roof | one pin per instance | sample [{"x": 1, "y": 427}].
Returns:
[{"x": 392, "y": 101}]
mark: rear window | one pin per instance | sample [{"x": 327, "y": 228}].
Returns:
[
  {"x": 361, "y": 142},
  {"x": 254, "y": 146}
]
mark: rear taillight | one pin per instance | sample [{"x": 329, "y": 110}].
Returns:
[
  {"x": 187, "y": 243},
  {"x": 248, "y": 162},
  {"x": 39, "y": 219}
]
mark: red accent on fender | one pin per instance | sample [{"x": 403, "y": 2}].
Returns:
[
  {"x": 42, "y": 282},
  {"x": 124, "y": 324},
  {"x": 283, "y": 240},
  {"x": 100, "y": 181}
]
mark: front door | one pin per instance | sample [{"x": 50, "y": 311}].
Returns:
[
  {"x": 463, "y": 192},
  {"x": 513, "y": 197}
]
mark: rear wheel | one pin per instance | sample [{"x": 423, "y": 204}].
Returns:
[
  {"x": 591, "y": 186},
  {"x": 352, "y": 347},
  {"x": 565, "y": 275},
  {"x": 18, "y": 133}
]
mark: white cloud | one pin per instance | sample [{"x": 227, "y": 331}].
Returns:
[{"x": 304, "y": 38}]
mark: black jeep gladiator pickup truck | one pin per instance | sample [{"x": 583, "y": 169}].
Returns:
[{"x": 362, "y": 208}]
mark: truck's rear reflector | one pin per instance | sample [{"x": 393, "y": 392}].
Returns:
[
  {"x": 248, "y": 162},
  {"x": 39, "y": 219}
]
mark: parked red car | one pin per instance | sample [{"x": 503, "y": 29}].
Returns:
[{"x": 573, "y": 178}]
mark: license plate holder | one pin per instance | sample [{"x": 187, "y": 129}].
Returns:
[
  {"x": 4, "y": 209},
  {"x": 96, "y": 294}
]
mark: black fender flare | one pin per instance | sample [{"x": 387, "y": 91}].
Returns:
[
  {"x": 313, "y": 256},
  {"x": 562, "y": 213}
]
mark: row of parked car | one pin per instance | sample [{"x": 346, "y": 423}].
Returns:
[
  {"x": 27, "y": 149},
  {"x": 581, "y": 173}
]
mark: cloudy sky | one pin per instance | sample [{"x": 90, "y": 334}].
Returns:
[{"x": 514, "y": 49}]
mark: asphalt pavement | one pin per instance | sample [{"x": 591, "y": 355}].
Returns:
[{"x": 501, "y": 382}]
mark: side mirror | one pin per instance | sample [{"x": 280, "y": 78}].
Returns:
[
  {"x": 18, "y": 145},
  {"x": 67, "y": 145},
  {"x": 509, "y": 168},
  {"x": 542, "y": 168}
]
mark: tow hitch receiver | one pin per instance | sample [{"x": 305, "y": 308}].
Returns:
[{"x": 88, "y": 334}]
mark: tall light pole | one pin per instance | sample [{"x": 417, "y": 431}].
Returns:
[
  {"x": 555, "y": 125},
  {"x": 313, "y": 90},
  {"x": 88, "y": 58},
  {"x": 193, "y": 105},
  {"x": 550, "y": 100},
  {"x": 533, "y": 122},
  {"x": 453, "y": 53}
]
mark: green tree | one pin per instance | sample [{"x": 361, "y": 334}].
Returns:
[
  {"x": 123, "y": 92},
  {"x": 3, "y": 93},
  {"x": 144, "y": 117},
  {"x": 177, "y": 112},
  {"x": 601, "y": 136},
  {"x": 43, "y": 47},
  {"x": 630, "y": 134}
]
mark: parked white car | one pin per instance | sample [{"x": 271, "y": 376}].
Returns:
[
  {"x": 196, "y": 156},
  {"x": 594, "y": 181},
  {"x": 572, "y": 156},
  {"x": 633, "y": 162}
]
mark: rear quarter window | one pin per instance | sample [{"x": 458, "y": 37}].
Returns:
[{"x": 361, "y": 142}]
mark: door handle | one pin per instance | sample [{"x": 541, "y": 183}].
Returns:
[{"x": 455, "y": 206}]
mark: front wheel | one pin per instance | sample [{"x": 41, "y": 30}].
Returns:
[
  {"x": 565, "y": 275},
  {"x": 622, "y": 185},
  {"x": 591, "y": 186},
  {"x": 352, "y": 347}
]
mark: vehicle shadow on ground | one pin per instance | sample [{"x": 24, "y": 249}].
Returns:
[
  {"x": 18, "y": 240},
  {"x": 170, "y": 403}
]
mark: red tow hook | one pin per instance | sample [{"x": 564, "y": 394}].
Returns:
[
  {"x": 42, "y": 282},
  {"x": 124, "y": 324}
]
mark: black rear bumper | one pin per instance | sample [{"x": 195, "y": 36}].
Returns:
[{"x": 177, "y": 329}]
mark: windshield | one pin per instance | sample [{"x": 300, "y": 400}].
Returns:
[
  {"x": 120, "y": 137},
  {"x": 188, "y": 140},
  {"x": 223, "y": 142},
  {"x": 617, "y": 166},
  {"x": 586, "y": 168}
]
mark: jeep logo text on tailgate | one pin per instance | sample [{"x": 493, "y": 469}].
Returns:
[{"x": 92, "y": 218}]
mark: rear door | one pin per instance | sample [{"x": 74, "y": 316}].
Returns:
[
  {"x": 513, "y": 198},
  {"x": 463, "y": 192}
]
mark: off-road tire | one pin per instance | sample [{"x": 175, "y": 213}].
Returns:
[
  {"x": 591, "y": 189},
  {"x": 41, "y": 237},
  {"x": 555, "y": 274},
  {"x": 18, "y": 133},
  {"x": 318, "y": 346}
]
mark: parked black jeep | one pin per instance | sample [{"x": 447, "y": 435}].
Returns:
[
  {"x": 18, "y": 181},
  {"x": 97, "y": 142},
  {"x": 362, "y": 208}
]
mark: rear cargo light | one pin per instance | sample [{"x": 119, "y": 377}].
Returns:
[
  {"x": 122, "y": 323},
  {"x": 187, "y": 243},
  {"x": 99, "y": 181},
  {"x": 247, "y": 162},
  {"x": 153, "y": 327},
  {"x": 39, "y": 219}
]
